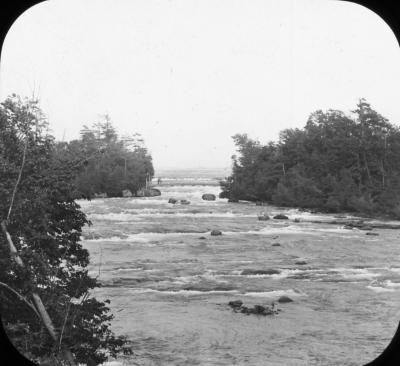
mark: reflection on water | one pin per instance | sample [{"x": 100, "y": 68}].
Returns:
[{"x": 169, "y": 281}]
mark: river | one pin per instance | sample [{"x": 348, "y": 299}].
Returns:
[{"x": 170, "y": 281}]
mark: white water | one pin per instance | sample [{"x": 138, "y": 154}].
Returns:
[{"x": 169, "y": 281}]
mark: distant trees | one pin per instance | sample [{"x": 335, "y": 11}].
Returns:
[
  {"x": 335, "y": 163},
  {"x": 45, "y": 224},
  {"x": 110, "y": 163}
]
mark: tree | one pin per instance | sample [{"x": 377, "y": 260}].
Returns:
[
  {"x": 46, "y": 224},
  {"x": 337, "y": 162}
]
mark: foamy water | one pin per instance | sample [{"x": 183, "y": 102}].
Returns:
[{"x": 169, "y": 280}]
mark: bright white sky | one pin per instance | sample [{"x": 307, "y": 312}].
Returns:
[{"x": 188, "y": 74}]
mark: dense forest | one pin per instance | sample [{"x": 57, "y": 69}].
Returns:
[
  {"x": 110, "y": 164},
  {"x": 336, "y": 163},
  {"x": 47, "y": 308}
]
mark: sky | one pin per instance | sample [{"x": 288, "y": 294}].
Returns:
[{"x": 189, "y": 74}]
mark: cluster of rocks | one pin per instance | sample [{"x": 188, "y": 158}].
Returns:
[
  {"x": 238, "y": 307},
  {"x": 175, "y": 201},
  {"x": 265, "y": 217}
]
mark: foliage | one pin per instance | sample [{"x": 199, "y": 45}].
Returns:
[
  {"x": 110, "y": 164},
  {"x": 46, "y": 224},
  {"x": 337, "y": 162}
]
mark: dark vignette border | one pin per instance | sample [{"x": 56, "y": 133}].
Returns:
[{"x": 388, "y": 10}]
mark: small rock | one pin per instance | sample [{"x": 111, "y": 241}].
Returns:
[
  {"x": 296, "y": 220},
  {"x": 233, "y": 200},
  {"x": 284, "y": 299},
  {"x": 216, "y": 232},
  {"x": 184, "y": 202},
  {"x": 281, "y": 217},
  {"x": 172, "y": 200},
  {"x": 374, "y": 234},
  {"x": 258, "y": 203},
  {"x": 263, "y": 217},
  {"x": 276, "y": 245},
  {"x": 300, "y": 262},
  {"x": 235, "y": 303},
  {"x": 202, "y": 237}
]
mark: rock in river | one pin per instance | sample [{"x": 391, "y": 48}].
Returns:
[
  {"x": 172, "y": 200},
  {"x": 284, "y": 299},
  {"x": 235, "y": 303},
  {"x": 263, "y": 217},
  {"x": 208, "y": 197},
  {"x": 216, "y": 232},
  {"x": 281, "y": 217}
]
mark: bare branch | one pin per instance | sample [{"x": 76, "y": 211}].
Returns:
[{"x": 20, "y": 297}]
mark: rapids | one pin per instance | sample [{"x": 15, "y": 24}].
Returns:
[{"x": 169, "y": 280}]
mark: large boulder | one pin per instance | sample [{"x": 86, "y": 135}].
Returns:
[
  {"x": 149, "y": 192},
  {"x": 126, "y": 193},
  {"x": 216, "y": 232},
  {"x": 281, "y": 217},
  {"x": 208, "y": 197}
]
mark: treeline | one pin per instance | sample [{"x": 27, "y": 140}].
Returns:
[
  {"x": 111, "y": 163},
  {"x": 336, "y": 163},
  {"x": 38, "y": 210}
]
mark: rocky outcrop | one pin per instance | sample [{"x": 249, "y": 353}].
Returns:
[
  {"x": 208, "y": 197},
  {"x": 216, "y": 232},
  {"x": 281, "y": 217},
  {"x": 126, "y": 193},
  {"x": 238, "y": 307},
  {"x": 149, "y": 192}
]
